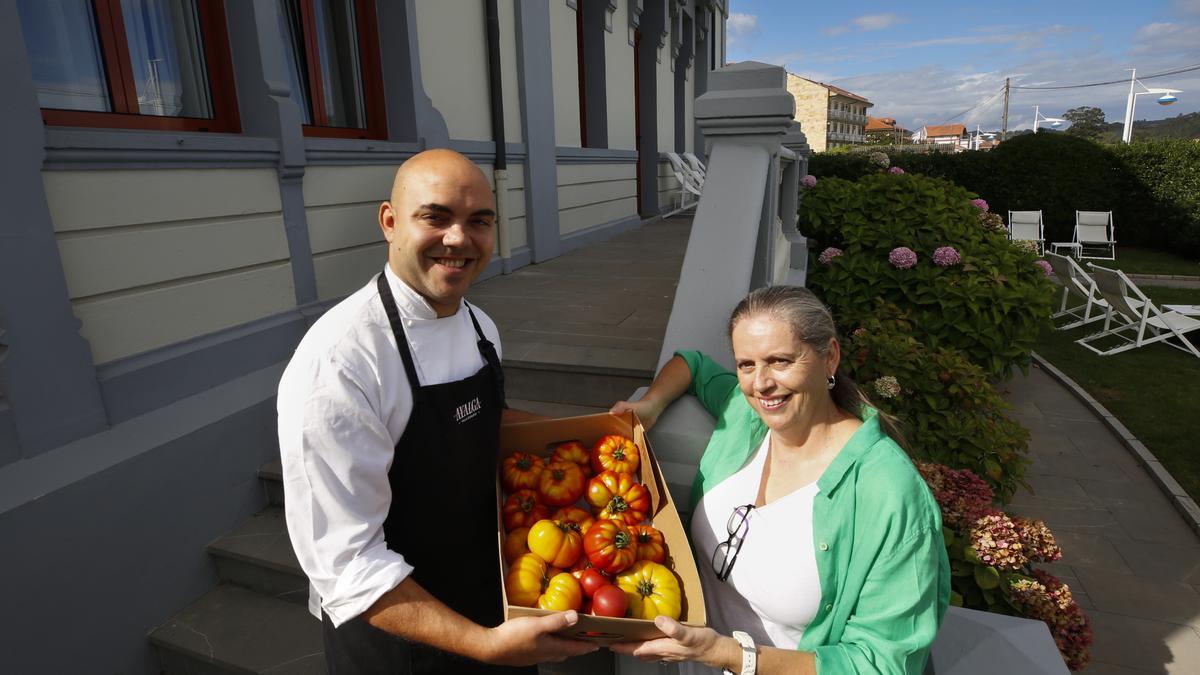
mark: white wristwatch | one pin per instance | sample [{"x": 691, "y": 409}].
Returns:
[{"x": 749, "y": 654}]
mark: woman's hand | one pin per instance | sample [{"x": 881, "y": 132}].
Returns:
[
  {"x": 685, "y": 643},
  {"x": 646, "y": 411}
]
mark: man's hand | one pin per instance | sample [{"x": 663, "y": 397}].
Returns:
[{"x": 529, "y": 640}]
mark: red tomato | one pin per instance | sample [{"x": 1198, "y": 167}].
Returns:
[
  {"x": 610, "y": 546},
  {"x": 608, "y": 600},
  {"x": 650, "y": 544},
  {"x": 615, "y": 453},
  {"x": 522, "y": 509},
  {"x": 520, "y": 471},
  {"x": 618, "y": 496},
  {"x": 561, "y": 483},
  {"x": 573, "y": 451},
  {"x": 591, "y": 579}
]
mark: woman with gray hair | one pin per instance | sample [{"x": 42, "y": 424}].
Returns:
[{"x": 825, "y": 543}]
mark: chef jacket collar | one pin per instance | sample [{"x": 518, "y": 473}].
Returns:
[{"x": 411, "y": 303}]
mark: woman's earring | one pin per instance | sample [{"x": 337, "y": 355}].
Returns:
[{"x": 832, "y": 382}]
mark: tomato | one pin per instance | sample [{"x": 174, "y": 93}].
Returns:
[
  {"x": 561, "y": 483},
  {"x": 651, "y": 590},
  {"x": 590, "y": 579},
  {"x": 520, "y": 471},
  {"x": 609, "y": 546},
  {"x": 609, "y": 600},
  {"x": 515, "y": 544},
  {"x": 555, "y": 541},
  {"x": 650, "y": 544},
  {"x": 615, "y": 453},
  {"x": 617, "y": 496},
  {"x": 582, "y": 519},
  {"x": 523, "y": 509},
  {"x": 530, "y": 582},
  {"x": 573, "y": 451}
]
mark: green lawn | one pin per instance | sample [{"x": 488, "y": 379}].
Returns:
[
  {"x": 1154, "y": 390},
  {"x": 1149, "y": 261}
]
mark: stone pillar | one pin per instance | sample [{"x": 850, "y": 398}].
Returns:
[
  {"x": 795, "y": 142},
  {"x": 535, "y": 83}
]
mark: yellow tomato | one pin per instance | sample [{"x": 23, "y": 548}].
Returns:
[
  {"x": 530, "y": 582},
  {"x": 516, "y": 544},
  {"x": 563, "y": 592},
  {"x": 558, "y": 542},
  {"x": 651, "y": 589}
]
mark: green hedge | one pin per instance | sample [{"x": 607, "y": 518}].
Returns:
[{"x": 1152, "y": 188}]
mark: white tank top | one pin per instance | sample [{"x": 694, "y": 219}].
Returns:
[{"x": 774, "y": 590}]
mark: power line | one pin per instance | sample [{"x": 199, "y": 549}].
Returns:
[
  {"x": 1176, "y": 71},
  {"x": 976, "y": 106}
]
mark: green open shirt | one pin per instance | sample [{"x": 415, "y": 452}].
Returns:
[{"x": 877, "y": 534}]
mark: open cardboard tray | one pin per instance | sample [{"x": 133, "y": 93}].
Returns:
[{"x": 540, "y": 438}]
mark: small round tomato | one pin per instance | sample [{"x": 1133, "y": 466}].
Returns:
[
  {"x": 590, "y": 579},
  {"x": 561, "y": 483},
  {"x": 562, "y": 593},
  {"x": 651, "y": 590},
  {"x": 573, "y": 451},
  {"x": 650, "y": 544},
  {"x": 609, "y": 546},
  {"x": 615, "y": 453},
  {"x": 520, "y": 471},
  {"x": 557, "y": 542},
  {"x": 573, "y": 514},
  {"x": 516, "y": 544},
  {"x": 523, "y": 509},
  {"x": 617, "y": 496},
  {"x": 609, "y": 600}
]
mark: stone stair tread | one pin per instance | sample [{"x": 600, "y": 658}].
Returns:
[
  {"x": 262, "y": 540},
  {"x": 272, "y": 470},
  {"x": 239, "y": 630}
]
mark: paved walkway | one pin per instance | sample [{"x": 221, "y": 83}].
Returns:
[{"x": 1128, "y": 556}]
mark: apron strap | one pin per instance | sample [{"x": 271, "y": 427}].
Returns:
[
  {"x": 393, "y": 315},
  {"x": 488, "y": 350}
]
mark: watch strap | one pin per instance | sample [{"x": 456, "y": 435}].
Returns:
[{"x": 749, "y": 654}]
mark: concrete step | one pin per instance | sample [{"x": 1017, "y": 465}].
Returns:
[
  {"x": 258, "y": 555},
  {"x": 571, "y": 384},
  {"x": 271, "y": 475},
  {"x": 237, "y": 630}
]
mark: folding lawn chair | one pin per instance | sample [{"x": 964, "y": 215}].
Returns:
[
  {"x": 1148, "y": 322},
  {"x": 1074, "y": 279},
  {"x": 698, "y": 168},
  {"x": 683, "y": 174},
  {"x": 1094, "y": 229},
  {"x": 1027, "y": 226}
]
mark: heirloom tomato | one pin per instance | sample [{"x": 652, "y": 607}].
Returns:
[
  {"x": 590, "y": 579},
  {"x": 520, "y": 471},
  {"x": 516, "y": 544},
  {"x": 615, "y": 453},
  {"x": 609, "y": 546},
  {"x": 573, "y": 451},
  {"x": 561, "y": 483},
  {"x": 651, "y": 590},
  {"x": 523, "y": 509},
  {"x": 650, "y": 544},
  {"x": 609, "y": 600},
  {"x": 573, "y": 514},
  {"x": 617, "y": 496},
  {"x": 530, "y": 580},
  {"x": 555, "y": 541}
]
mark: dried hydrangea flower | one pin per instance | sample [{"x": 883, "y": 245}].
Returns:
[
  {"x": 879, "y": 159},
  {"x": 887, "y": 387}
]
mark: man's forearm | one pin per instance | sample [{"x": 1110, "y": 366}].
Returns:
[{"x": 412, "y": 613}]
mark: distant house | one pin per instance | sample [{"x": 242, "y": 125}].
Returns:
[
  {"x": 943, "y": 134},
  {"x": 885, "y": 126},
  {"x": 842, "y": 114}
]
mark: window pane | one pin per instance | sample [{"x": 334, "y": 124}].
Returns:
[
  {"x": 341, "y": 74},
  {"x": 64, "y": 54},
  {"x": 166, "y": 52},
  {"x": 291, "y": 31}
]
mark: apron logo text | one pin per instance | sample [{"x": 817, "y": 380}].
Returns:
[{"x": 467, "y": 410}]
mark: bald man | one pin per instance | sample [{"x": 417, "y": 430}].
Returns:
[{"x": 389, "y": 421}]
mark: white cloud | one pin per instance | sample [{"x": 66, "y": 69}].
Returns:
[
  {"x": 835, "y": 31},
  {"x": 1188, "y": 6},
  {"x": 741, "y": 24},
  {"x": 1182, "y": 39},
  {"x": 875, "y": 21}
]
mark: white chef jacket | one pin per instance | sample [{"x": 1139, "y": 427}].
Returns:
[{"x": 344, "y": 402}]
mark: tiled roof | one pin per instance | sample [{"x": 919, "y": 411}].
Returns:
[
  {"x": 836, "y": 90},
  {"x": 882, "y": 124},
  {"x": 945, "y": 130}
]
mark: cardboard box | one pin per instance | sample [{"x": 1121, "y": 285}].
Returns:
[{"x": 540, "y": 438}]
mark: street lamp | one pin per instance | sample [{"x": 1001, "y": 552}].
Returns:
[
  {"x": 1039, "y": 117},
  {"x": 988, "y": 135},
  {"x": 1167, "y": 98}
]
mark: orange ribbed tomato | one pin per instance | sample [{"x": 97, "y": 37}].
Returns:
[
  {"x": 650, "y": 543},
  {"x": 573, "y": 451},
  {"x": 615, "y": 453},
  {"x": 617, "y": 496},
  {"x": 557, "y": 542},
  {"x": 520, "y": 471},
  {"x": 610, "y": 546},
  {"x": 561, "y": 483},
  {"x": 573, "y": 514},
  {"x": 651, "y": 589},
  {"x": 516, "y": 544},
  {"x": 523, "y": 509}
]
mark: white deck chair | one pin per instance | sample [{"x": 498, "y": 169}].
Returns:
[
  {"x": 1027, "y": 226},
  {"x": 698, "y": 168},
  {"x": 1074, "y": 279},
  {"x": 1148, "y": 323},
  {"x": 1094, "y": 230},
  {"x": 687, "y": 182}
]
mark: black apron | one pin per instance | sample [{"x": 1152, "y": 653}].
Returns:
[{"x": 442, "y": 517}]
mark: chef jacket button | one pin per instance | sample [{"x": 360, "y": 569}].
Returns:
[
  {"x": 828, "y": 608},
  {"x": 823, "y": 546}
]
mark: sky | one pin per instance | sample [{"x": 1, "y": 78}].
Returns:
[{"x": 931, "y": 61}]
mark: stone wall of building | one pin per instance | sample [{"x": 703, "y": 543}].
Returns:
[{"x": 812, "y": 109}]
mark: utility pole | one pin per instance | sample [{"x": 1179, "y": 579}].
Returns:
[{"x": 1004, "y": 129}]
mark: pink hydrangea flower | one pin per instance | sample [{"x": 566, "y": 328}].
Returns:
[
  {"x": 896, "y": 170},
  {"x": 808, "y": 181},
  {"x": 995, "y": 540},
  {"x": 962, "y": 495},
  {"x": 902, "y": 257},
  {"x": 945, "y": 256},
  {"x": 1047, "y": 598},
  {"x": 979, "y": 204},
  {"x": 827, "y": 256},
  {"x": 1045, "y": 267}
]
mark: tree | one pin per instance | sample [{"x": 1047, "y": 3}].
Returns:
[{"x": 1086, "y": 121}]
